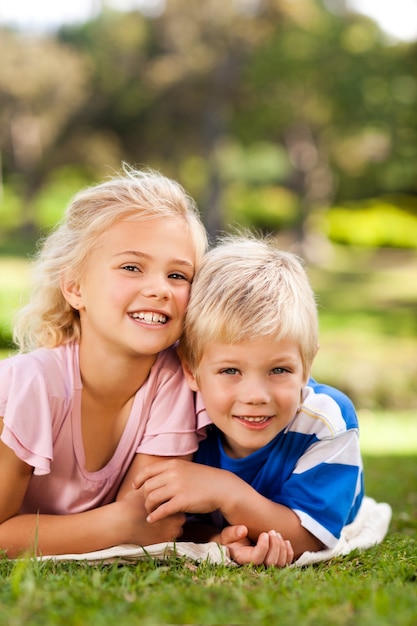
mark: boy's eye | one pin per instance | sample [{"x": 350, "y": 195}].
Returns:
[
  {"x": 278, "y": 370},
  {"x": 231, "y": 371}
]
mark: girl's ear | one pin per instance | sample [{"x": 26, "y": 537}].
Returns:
[
  {"x": 189, "y": 376},
  {"x": 71, "y": 291}
]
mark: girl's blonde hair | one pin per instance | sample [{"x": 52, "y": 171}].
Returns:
[
  {"x": 48, "y": 320},
  {"x": 246, "y": 289}
]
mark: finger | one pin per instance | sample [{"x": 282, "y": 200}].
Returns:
[
  {"x": 233, "y": 533},
  {"x": 281, "y": 552},
  {"x": 148, "y": 472},
  {"x": 290, "y": 552},
  {"x": 258, "y": 552},
  {"x": 273, "y": 555},
  {"x": 155, "y": 494},
  {"x": 166, "y": 509}
]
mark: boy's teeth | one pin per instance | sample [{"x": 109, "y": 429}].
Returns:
[
  {"x": 255, "y": 419},
  {"x": 150, "y": 318}
]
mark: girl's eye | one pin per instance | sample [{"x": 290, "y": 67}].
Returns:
[
  {"x": 130, "y": 268},
  {"x": 178, "y": 276}
]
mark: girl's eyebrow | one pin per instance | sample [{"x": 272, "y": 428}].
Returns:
[{"x": 143, "y": 255}]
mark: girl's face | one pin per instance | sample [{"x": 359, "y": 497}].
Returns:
[
  {"x": 251, "y": 390},
  {"x": 135, "y": 287}
]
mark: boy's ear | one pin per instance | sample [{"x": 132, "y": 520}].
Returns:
[
  {"x": 71, "y": 291},
  {"x": 189, "y": 376},
  {"x": 308, "y": 373}
]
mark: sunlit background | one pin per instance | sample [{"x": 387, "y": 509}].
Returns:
[{"x": 398, "y": 19}]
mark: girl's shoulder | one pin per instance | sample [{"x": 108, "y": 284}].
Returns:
[
  {"x": 51, "y": 365},
  {"x": 168, "y": 359}
]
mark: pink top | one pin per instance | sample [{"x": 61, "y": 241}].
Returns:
[{"x": 40, "y": 401}]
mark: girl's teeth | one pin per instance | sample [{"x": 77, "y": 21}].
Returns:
[{"x": 150, "y": 318}]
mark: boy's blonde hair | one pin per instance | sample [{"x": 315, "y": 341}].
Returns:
[
  {"x": 246, "y": 289},
  {"x": 48, "y": 320}
]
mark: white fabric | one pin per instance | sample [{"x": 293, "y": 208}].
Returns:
[
  {"x": 211, "y": 552},
  {"x": 369, "y": 528}
]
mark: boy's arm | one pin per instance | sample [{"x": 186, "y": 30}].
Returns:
[{"x": 173, "y": 486}]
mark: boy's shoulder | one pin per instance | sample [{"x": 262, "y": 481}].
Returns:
[{"x": 326, "y": 409}]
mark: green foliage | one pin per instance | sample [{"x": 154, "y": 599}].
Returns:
[
  {"x": 10, "y": 210},
  {"x": 13, "y": 282},
  {"x": 267, "y": 208},
  {"x": 60, "y": 187},
  {"x": 260, "y": 163},
  {"x": 378, "y": 222}
]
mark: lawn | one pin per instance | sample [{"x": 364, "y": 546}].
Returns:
[{"x": 368, "y": 347}]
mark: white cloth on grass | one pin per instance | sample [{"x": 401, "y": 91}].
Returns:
[{"x": 368, "y": 529}]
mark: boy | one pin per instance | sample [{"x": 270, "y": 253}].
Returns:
[{"x": 283, "y": 451}]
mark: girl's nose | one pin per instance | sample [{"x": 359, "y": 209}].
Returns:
[{"x": 156, "y": 287}]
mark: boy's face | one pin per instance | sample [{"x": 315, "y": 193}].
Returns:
[{"x": 251, "y": 390}]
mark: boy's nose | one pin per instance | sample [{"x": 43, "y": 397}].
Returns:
[{"x": 255, "y": 392}]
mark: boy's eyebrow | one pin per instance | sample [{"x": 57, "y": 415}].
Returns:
[{"x": 143, "y": 255}]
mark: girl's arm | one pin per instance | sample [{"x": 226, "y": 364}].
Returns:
[
  {"x": 174, "y": 486},
  {"x": 140, "y": 461},
  {"x": 119, "y": 522}
]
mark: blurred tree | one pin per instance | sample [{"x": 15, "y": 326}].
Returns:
[
  {"x": 242, "y": 97},
  {"x": 168, "y": 87},
  {"x": 43, "y": 84},
  {"x": 328, "y": 88},
  {"x": 117, "y": 47}
]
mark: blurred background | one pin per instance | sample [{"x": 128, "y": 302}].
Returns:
[{"x": 291, "y": 117}]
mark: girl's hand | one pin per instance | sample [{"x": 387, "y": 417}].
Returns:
[{"x": 137, "y": 530}]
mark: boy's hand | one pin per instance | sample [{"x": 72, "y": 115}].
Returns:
[
  {"x": 270, "y": 549},
  {"x": 177, "y": 486}
]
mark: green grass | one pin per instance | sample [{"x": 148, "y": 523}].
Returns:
[{"x": 368, "y": 326}]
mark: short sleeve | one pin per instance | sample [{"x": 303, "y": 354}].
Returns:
[
  {"x": 28, "y": 407},
  {"x": 326, "y": 487},
  {"x": 171, "y": 428}
]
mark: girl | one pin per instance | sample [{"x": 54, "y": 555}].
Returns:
[{"x": 97, "y": 392}]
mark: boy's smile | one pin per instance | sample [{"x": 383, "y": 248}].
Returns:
[{"x": 251, "y": 390}]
